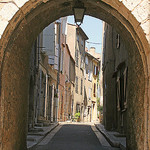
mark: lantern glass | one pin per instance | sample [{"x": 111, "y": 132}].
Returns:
[{"x": 79, "y": 14}]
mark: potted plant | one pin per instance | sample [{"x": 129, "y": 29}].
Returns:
[{"x": 77, "y": 116}]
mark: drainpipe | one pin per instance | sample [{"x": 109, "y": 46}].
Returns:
[
  {"x": 58, "y": 79},
  {"x": 46, "y": 95},
  {"x": 91, "y": 112},
  {"x": 52, "y": 105}
]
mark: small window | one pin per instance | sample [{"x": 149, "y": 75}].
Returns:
[
  {"x": 90, "y": 91},
  {"x": 89, "y": 75},
  {"x": 94, "y": 91},
  {"x": 77, "y": 37},
  {"x": 81, "y": 86},
  {"x": 82, "y": 62},
  {"x": 82, "y": 42},
  {"x": 86, "y": 60},
  {"x": 78, "y": 108},
  {"x": 76, "y": 84},
  {"x": 95, "y": 70},
  {"x": 62, "y": 60},
  {"x": 77, "y": 57}
]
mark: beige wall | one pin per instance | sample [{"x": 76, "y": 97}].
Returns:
[
  {"x": 71, "y": 38},
  {"x": 92, "y": 103}
]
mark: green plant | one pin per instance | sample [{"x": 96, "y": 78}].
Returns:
[
  {"x": 77, "y": 115},
  {"x": 99, "y": 107}
]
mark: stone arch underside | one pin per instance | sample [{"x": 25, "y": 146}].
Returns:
[{"x": 21, "y": 25}]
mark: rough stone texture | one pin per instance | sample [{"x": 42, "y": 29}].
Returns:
[
  {"x": 112, "y": 58},
  {"x": 22, "y": 20},
  {"x": 135, "y": 114}
]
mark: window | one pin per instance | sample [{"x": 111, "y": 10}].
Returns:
[
  {"x": 90, "y": 91},
  {"x": 81, "y": 86},
  {"x": 84, "y": 74},
  {"x": 82, "y": 60},
  {"x": 94, "y": 91},
  {"x": 95, "y": 70},
  {"x": 121, "y": 89},
  {"x": 89, "y": 75},
  {"x": 88, "y": 110},
  {"x": 61, "y": 61},
  {"x": 78, "y": 108},
  {"x": 125, "y": 85},
  {"x": 77, "y": 57},
  {"x": 78, "y": 38},
  {"x": 76, "y": 84},
  {"x": 86, "y": 60},
  {"x": 82, "y": 41},
  {"x": 57, "y": 30}
]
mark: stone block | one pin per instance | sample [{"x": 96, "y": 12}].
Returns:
[
  {"x": 115, "y": 4},
  {"x": 131, "y": 4},
  {"x": 146, "y": 26},
  {"x": 3, "y": 24},
  {"x": 8, "y": 11},
  {"x": 141, "y": 11},
  {"x": 20, "y": 3},
  {"x": 124, "y": 11}
]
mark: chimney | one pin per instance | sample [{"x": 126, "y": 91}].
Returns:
[
  {"x": 86, "y": 49},
  {"x": 92, "y": 49}
]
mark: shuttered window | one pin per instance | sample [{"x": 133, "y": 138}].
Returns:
[
  {"x": 76, "y": 84},
  {"x": 77, "y": 57},
  {"x": 94, "y": 91},
  {"x": 81, "y": 86},
  {"x": 95, "y": 70}
]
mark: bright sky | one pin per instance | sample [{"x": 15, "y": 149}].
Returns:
[{"x": 93, "y": 28}]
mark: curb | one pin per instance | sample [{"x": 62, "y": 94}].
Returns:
[
  {"x": 110, "y": 138},
  {"x": 43, "y": 136}
]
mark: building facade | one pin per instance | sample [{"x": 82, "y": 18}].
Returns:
[
  {"x": 64, "y": 77},
  {"x": 92, "y": 84},
  {"x": 115, "y": 72},
  {"x": 76, "y": 38}
]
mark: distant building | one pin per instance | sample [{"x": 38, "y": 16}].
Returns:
[
  {"x": 62, "y": 82},
  {"x": 42, "y": 86},
  {"x": 92, "y": 84},
  {"x": 76, "y": 43},
  {"x": 44, "y": 74}
]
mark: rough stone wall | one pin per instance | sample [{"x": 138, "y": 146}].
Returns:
[
  {"x": 141, "y": 11},
  {"x": 17, "y": 18},
  {"x": 16, "y": 99},
  {"x": 109, "y": 82},
  {"x": 135, "y": 115}
]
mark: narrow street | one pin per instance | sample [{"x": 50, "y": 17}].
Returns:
[{"x": 74, "y": 137}]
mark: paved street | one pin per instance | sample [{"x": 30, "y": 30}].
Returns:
[{"x": 73, "y": 137}]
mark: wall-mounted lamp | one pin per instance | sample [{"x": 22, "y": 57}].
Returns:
[{"x": 79, "y": 11}]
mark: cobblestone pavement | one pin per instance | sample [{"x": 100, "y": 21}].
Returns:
[{"x": 73, "y": 137}]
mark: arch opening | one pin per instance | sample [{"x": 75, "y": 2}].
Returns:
[{"x": 16, "y": 43}]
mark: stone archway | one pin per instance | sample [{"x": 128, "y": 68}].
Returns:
[{"x": 23, "y": 20}]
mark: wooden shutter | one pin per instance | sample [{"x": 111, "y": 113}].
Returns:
[
  {"x": 94, "y": 92},
  {"x": 118, "y": 94},
  {"x": 125, "y": 84}
]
